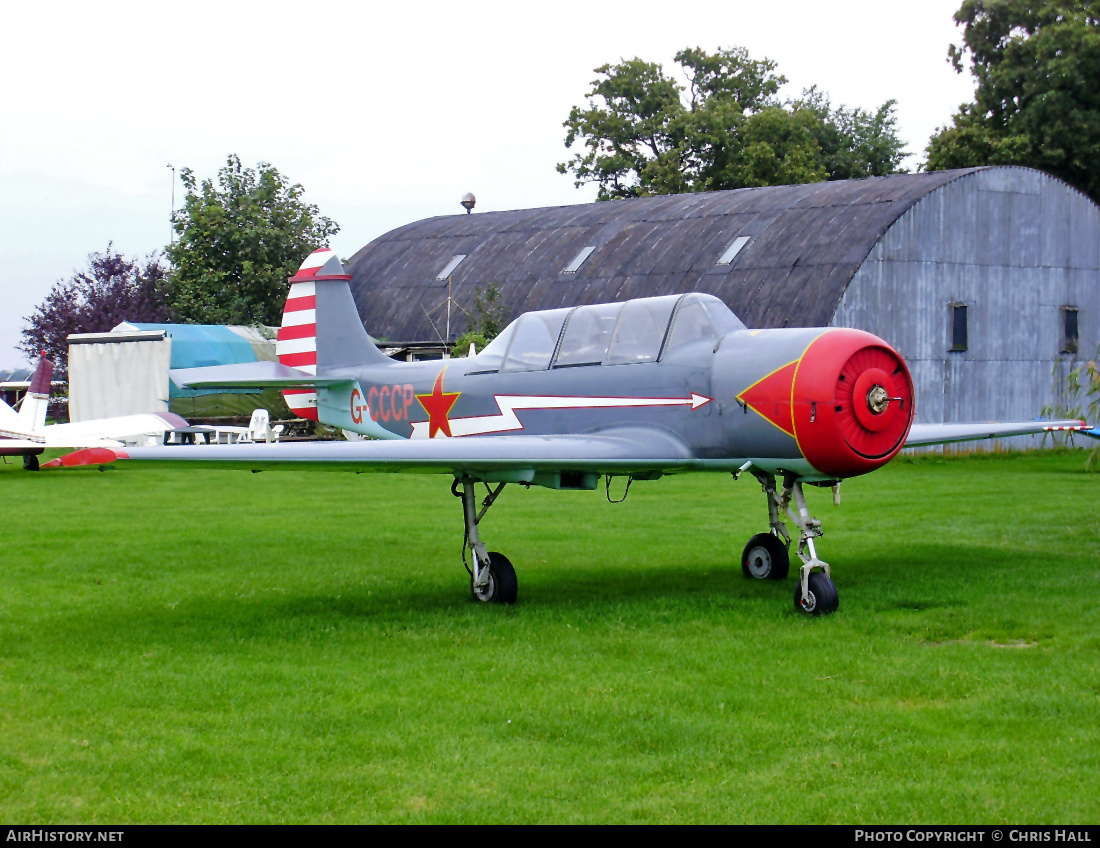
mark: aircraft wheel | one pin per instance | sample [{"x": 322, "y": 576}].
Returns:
[
  {"x": 502, "y": 585},
  {"x": 30, "y": 462},
  {"x": 824, "y": 598},
  {"x": 765, "y": 558}
]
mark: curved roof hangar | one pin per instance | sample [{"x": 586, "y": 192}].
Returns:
[{"x": 778, "y": 256}]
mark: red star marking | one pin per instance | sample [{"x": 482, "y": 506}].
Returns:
[{"x": 438, "y": 406}]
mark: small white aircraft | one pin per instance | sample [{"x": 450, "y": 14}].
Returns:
[{"x": 25, "y": 433}]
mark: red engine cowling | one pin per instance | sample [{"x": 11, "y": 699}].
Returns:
[{"x": 853, "y": 402}]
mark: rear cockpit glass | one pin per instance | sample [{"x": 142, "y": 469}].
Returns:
[
  {"x": 534, "y": 339},
  {"x": 700, "y": 317},
  {"x": 640, "y": 330},
  {"x": 491, "y": 358},
  {"x": 587, "y": 335}
]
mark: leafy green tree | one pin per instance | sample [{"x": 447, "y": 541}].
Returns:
[
  {"x": 487, "y": 319},
  {"x": 1089, "y": 375},
  {"x": 238, "y": 243},
  {"x": 1077, "y": 395},
  {"x": 644, "y": 133},
  {"x": 1036, "y": 101}
]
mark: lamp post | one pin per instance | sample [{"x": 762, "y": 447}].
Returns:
[
  {"x": 172, "y": 237},
  {"x": 468, "y": 201}
]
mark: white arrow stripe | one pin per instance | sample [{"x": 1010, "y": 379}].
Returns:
[{"x": 510, "y": 404}]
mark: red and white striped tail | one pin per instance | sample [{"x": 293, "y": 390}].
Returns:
[{"x": 296, "y": 345}]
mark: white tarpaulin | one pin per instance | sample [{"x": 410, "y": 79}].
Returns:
[
  {"x": 118, "y": 374},
  {"x": 125, "y": 371}
]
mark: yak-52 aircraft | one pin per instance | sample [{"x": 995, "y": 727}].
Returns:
[{"x": 561, "y": 397}]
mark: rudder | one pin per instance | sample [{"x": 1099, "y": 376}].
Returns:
[{"x": 321, "y": 331}]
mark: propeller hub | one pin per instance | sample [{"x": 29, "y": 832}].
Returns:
[{"x": 878, "y": 399}]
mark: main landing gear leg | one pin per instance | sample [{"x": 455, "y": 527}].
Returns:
[
  {"x": 816, "y": 593},
  {"x": 492, "y": 577}
]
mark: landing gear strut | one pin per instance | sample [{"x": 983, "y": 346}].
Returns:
[
  {"x": 492, "y": 577},
  {"x": 767, "y": 555}
]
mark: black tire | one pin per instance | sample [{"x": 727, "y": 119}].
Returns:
[
  {"x": 765, "y": 558},
  {"x": 824, "y": 599},
  {"x": 30, "y": 462},
  {"x": 503, "y": 585}
]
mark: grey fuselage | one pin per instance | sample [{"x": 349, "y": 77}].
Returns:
[{"x": 388, "y": 400}]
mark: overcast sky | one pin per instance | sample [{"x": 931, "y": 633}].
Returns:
[{"x": 386, "y": 114}]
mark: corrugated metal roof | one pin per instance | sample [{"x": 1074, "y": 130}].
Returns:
[{"x": 805, "y": 244}]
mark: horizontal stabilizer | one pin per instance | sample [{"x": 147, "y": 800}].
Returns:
[
  {"x": 921, "y": 435},
  {"x": 249, "y": 375}
]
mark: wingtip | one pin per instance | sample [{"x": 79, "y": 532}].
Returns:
[{"x": 88, "y": 456}]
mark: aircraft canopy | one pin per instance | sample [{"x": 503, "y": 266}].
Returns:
[{"x": 642, "y": 330}]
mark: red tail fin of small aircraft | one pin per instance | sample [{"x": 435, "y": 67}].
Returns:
[{"x": 321, "y": 330}]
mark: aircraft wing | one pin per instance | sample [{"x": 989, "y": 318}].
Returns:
[
  {"x": 513, "y": 458},
  {"x": 921, "y": 435}
]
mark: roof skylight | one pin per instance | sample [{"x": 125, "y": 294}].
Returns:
[
  {"x": 733, "y": 250},
  {"x": 450, "y": 266},
  {"x": 572, "y": 267}
]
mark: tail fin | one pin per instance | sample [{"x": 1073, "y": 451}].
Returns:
[
  {"x": 321, "y": 330},
  {"x": 32, "y": 410}
]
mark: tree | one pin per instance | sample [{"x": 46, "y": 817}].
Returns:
[
  {"x": 1089, "y": 377},
  {"x": 645, "y": 133},
  {"x": 1036, "y": 102},
  {"x": 489, "y": 316},
  {"x": 113, "y": 289},
  {"x": 238, "y": 243}
]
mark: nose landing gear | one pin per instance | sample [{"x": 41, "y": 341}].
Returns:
[{"x": 767, "y": 555}]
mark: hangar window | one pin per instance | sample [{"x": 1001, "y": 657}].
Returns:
[
  {"x": 587, "y": 335},
  {"x": 534, "y": 339},
  {"x": 732, "y": 251},
  {"x": 449, "y": 268},
  {"x": 1069, "y": 329},
  {"x": 959, "y": 339},
  {"x": 700, "y": 317},
  {"x": 578, "y": 260},
  {"x": 640, "y": 330}
]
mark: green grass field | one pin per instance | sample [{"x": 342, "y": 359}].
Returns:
[{"x": 185, "y": 645}]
